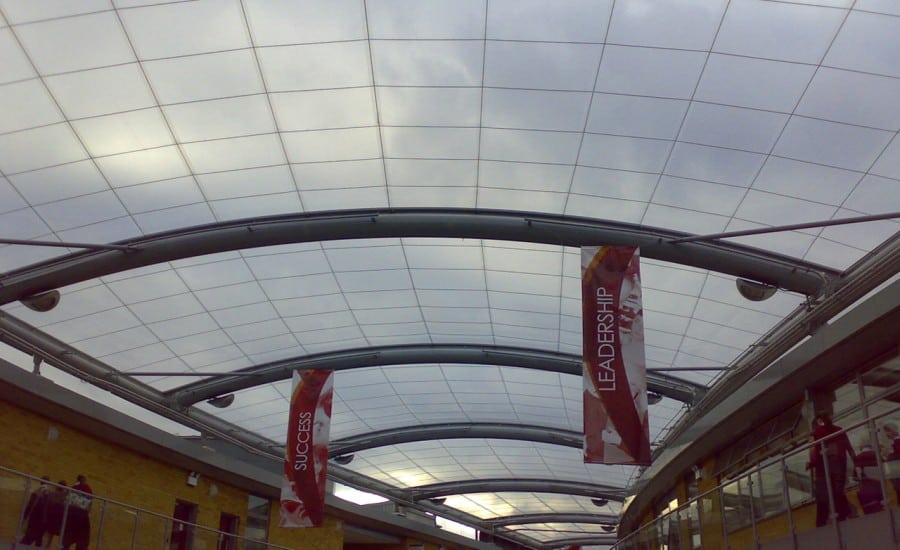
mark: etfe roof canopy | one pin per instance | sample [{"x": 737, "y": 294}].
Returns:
[{"x": 398, "y": 190}]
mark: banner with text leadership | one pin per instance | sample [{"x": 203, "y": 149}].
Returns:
[
  {"x": 306, "y": 450},
  {"x": 616, "y": 426}
]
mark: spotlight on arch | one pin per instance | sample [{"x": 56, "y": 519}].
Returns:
[
  {"x": 599, "y": 502},
  {"x": 221, "y": 401},
  {"x": 343, "y": 460},
  {"x": 42, "y": 302},
  {"x": 754, "y": 291},
  {"x": 438, "y": 500},
  {"x": 653, "y": 398},
  {"x": 608, "y": 528}
]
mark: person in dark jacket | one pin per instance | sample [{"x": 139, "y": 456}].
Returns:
[
  {"x": 829, "y": 456},
  {"x": 78, "y": 520},
  {"x": 36, "y": 515},
  {"x": 56, "y": 506}
]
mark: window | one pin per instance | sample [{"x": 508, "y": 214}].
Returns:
[
  {"x": 257, "y": 522},
  {"x": 182, "y": 532},
  {"x": 228, "y": 523}
]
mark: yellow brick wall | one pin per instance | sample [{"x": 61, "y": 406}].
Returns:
[{"x": 122, "y": 475}]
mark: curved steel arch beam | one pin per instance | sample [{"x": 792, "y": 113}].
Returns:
[
  {"x": 185, "y": 396},
  {"x": 460, "y": 430},
  {"x": 562, "y": 517},
  {"x": 733, "y": 259},
  {"x": 587, "y": 540},
  {"x": 518, "y": 485}
]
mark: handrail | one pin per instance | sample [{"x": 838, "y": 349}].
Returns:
[
  {"x": 780, "y": 458},
  {"x": 137, "y": 509}
]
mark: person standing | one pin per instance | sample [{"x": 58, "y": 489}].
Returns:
[
  {"x": 829, "y": 456},
  {"x": 78, "y": 523},
  {"x": 56, "y": 506},
  {"x": 36, "y": 514}
]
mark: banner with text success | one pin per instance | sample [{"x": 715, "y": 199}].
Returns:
[
  {"x": 616, "y": 426},
  {"x": 306, "y": 450}
]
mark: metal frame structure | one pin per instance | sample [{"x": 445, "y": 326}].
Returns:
[
  {"x": 661, "y": 383},
  {"x": 500, "y": 485},
  {"x": 740, "y": 261},
  {"x": 408, "y": 434}
]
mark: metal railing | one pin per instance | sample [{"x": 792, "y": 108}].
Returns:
[
  {"x": 112, "y": 524},
  {"x": 775, "y": 488}
]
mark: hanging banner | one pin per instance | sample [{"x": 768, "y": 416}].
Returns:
[
  {"x": 616, "y": 427},
  {"x": 306, "y": 450}
]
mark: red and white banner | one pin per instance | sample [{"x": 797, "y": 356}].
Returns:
[
  {"x": 306, "y": 450},
  {"x": 616, "y": 427}
]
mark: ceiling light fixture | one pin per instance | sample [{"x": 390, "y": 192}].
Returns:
[
  {"x": 42, "y": 302},
  {"x": 754, "y": 291},
  {"x": 221, "y": 401}
]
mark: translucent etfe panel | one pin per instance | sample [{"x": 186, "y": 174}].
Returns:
[
  {"x": 714, "y": 164},
  {"x": 519, "y": 175},
  {"x": 315, "y": 66},
  {"x": 805, "y": 179},
  {"x": 101, "y": 91},
  {"x": 123, "y": 133},
  {"x": 28, "y": 105},
  {"x": 832, "y": 144},
  {"x": 28, "y": 12},
  {"x": 447, "y": 460},
  {"x": 754, "y": 83},
  {"x": 708, "y": 124},
  {"x": 80, "y": 211},
  {"x": 678, "y": 25},
  {"x": 415, "y": 106},
  {"x": 546, "y": 66},
  {"x": 283, "y": 21},
  {"x": 539, "y": 21},
  {"x": 37, "y": 187},
  {"x": 224, "y": 118},
  {"x": 439, "y": 143},
  {"x": 490, "y": 505},
  {"x": 537, "y": 110},
  {"x": 411, "y": 173},
  {"x": 332, "y": 145},
  {"x": 624, "y": 153},
  {"x": 778, "y": 30},
  {"x": 39, "y": 148},
  {"x": 530, "y": 146},
  {"x": 75, "y": 43},
  {"x": 427, "y": 63},
  {"x": 324, "y": 109},
  {"x": 650, "y": 71},
  {"x": 698, "y": 196},
  {"x": 442, "y": 19},
  {"x": 186, "y": 28},
  {"x": 143, "y": 166},
  {"x": 867, "y": 42},
  {"x": 14, "y": 64},
  {"x": 636, "y": 116},
  {"x": 854, "y": 98},
  {"x": 206, "y": 76},
  {"x": 875, "y": 195}
]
